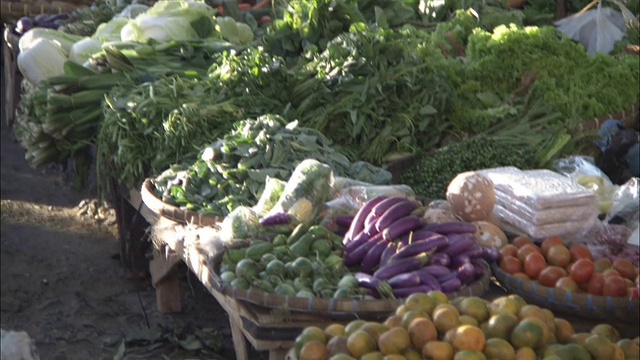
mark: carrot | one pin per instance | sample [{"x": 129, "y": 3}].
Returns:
[
  {"x": 264, "y": 20},
  {"x": 262, "y": 4}
]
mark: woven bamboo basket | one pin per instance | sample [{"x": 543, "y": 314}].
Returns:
[
  {"x": 587, "y": 306},
  {"x": 12, "y": 10},
  {"x": 335, "y": 308},
  {"x": 172, "y": 212}
]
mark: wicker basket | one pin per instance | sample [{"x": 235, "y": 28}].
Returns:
[
  {"x": 335, "y": 308},
  {"x": 172, "y": 212},
  {"x": 588, "y": 306},
  {"x": 13, "y": 10}
]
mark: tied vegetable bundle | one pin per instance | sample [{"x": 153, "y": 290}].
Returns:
[
  {"x": 179, "y": 116},
  {"x": 234, "y": 170},
  {"x": 376, "y": 91}
]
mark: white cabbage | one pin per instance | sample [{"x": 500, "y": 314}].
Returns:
[
  {"x": 64, "y": 40},
  {"x": 82, "y": 50},
  {"x": 44, "y": 58},
  {"x": 110, "y": 31}
]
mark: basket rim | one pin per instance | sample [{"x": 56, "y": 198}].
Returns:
[
  {"x": 336, "y": 307},
  {"x": 596, "y": 307},
  {"x": 172, "y": 212}
]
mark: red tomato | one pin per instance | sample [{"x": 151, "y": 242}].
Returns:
[
  {"x": 549, "y": 242},
  {"x": 596, "y": 284},
  {"x": 510, "y": 264},
  {"x": 526, "y": 250},
  {"x": 602, "y": 264},
  {"x": 611, "y": 272},
  {"x": 633, "y": 292},
  {"x": 614, "y": 286},
  {"x": 521, "y": 275},
  {"x": 580, "y": 252},
  {"x": 582, "y": 270},
  {"x": 567, "y": 284},
  {"x": 522, "y": 240},
  {"x": 638, "y": 281},
  {"x": 625, "y": 268},
  {"x": 509, "y": 249},
  {"x": 534, "y": 264},
  {"x": 559, "y": 255},
  {"x": 550, "y": 275}
]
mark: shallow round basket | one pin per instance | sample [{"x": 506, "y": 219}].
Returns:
[
  {"x": 584, "y": 305},
  {"x": 173, "y": 212},
  {"x": 339, "y": 308}
]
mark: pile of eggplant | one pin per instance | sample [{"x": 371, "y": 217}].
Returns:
[
  {"x": 48, "y": 21},
  {"x": 397, "y": 253}
]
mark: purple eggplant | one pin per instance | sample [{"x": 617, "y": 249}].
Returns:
[
  {"x": 451, "y": 285},
  {"x": 372, "y": 259},
  {"x": 440, "y": 258},
  {"x": 459, "y": 260},
  {"x": 402, "y": 226},
  {"x": 370, "y": 224},
  {"x": 490, "y": 253},
  {"x": 427, "y": 279},
  {"x": 357, "y": 241},
  {"x": 474, "y": 252},
  {"x": 391, "y": 249},
  {"x": 479, "y": 266},
  {"x": 41, "y": 18},
  {"x": 357, "y": 225},
  {"x": 57, "y": 18},
  {"x": 402, "y": 293},
  {"x": 281, "y": 218},
  {"x": 396, "y": 212},
  {"x": 435, "y": 270},
  {"x": 466, "y": 273},
  {"x": 367, "y": 281},
  {"x": 404, "y": 280},
  {"x": 387, "y": 271},
  {"x": 357, "y": 255},
  {"x": 444, "y": 278},
  {"x": 459, "y": 244},
  {"x": 417, "y": 235},
  {"x": 343, "y": 221},
  {"x": 384, "y": 205},
  {"x": 24, "y": 24},
  {"x": 448, "y": 228},
  {"x": 435, "y": 243}
]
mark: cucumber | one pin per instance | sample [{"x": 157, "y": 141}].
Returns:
[
  {"x": 297, "y": 233},
  {"x": 302, "y": 247},
  {"x": 321, "y": 247},
  {"x": 257, "y": 249},
  {"x": 280, "y": 239}
]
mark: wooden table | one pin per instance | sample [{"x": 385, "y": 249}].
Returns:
[{"x": 274, "y": 330}]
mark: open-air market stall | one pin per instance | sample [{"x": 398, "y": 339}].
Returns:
[{"x": 386, "y": 146}]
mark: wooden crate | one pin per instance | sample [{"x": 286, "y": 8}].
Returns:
[{"x": 11, "y": 10}]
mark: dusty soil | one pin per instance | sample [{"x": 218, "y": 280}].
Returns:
[{"x": 61, "y": 281}]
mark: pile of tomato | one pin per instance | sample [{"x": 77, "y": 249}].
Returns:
[{"x": 573, "y": 268}]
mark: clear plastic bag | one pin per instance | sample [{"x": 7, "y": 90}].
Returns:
[
  {"x": 625, "y": 205},
  {"x": 543, "y": 231},
  {"x": 538, "y": 189},
  {"x": 582, "y": 169},
  {"x": 273, "y": 189},
  {"x": 546, "y": 216}
]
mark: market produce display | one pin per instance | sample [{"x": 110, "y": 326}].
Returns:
[
  {"x": 571, "y": 268},
  {"x": 240, "y": 163},
  {"x": 428, "y": 325}
]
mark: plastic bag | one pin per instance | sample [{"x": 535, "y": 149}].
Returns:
[
  {"x": 348, "y": 200},
  {"x": 305, "y": 193},
  {"x": 543, "y": 231},
  {"x": 538, "y": 189},
  {"x": 582, "y": 169},
  {"x": 240, "y": 225},
  {"x": 273, "y": 189},
  {"x": 625, "y": 206},
  {"x": 547, "y": 216}
]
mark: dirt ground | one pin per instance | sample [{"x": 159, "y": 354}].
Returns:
[{"x": 61, "y": 281}]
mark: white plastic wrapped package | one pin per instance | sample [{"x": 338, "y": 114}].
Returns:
[
  {"x": 538, "y": 189},
  {"x": 543, "y": 231},
  {"x": 546, "y": 216}
]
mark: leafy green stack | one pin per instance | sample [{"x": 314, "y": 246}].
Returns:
[{"x": 233, "y": 170}]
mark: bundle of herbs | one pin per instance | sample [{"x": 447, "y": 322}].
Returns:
[
  {"x": 377, "y": 91},
  {"x": 151, "y": 126},
  {"x": 233, "y": 171}
]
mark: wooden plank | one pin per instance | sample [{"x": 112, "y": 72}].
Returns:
[{"x": 136, "y": 200}]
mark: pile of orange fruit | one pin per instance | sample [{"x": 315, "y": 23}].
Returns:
[
  {"x": 429, "y": 326},
  {"x": 572, "y": 268}
]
